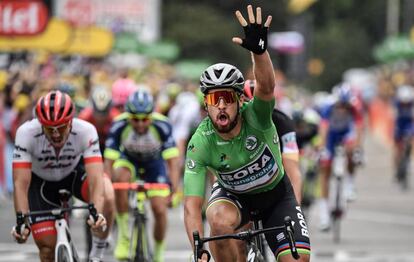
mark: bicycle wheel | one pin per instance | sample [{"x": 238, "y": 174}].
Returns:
[
  {"x": 337, "y": 211},
  {"x": 63, "y": 254},
  {"x": 403, "y": 165},
  {"x": 141, "y": 242}
]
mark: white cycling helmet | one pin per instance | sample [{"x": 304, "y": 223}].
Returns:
[
  {"x": 221, "y": 75},
  {"x": 405, "y": 94},
  {"x": 101, "y": 99}
]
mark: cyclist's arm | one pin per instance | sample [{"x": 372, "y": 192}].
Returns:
[
  {"x": 323, "y": 132},
  {"x": 22, "y": 168},
  {"x": 95, "y": 171},
  {"x": 194, "y": 184},
  {"x": 173, "y": 172},
  {"x": 291, "y": 165},
  {"x": 192, "y": 216},
  {"x": 264, "y": 74},
  {"x": 359, "y": 125},
  {"x": 21, "y": 183},
  {"x": 170, "y": 151},
  {"x": 262, "y": 65},
  {"x": 93, "y": 166},
  {"x": 108, "y": 163}
]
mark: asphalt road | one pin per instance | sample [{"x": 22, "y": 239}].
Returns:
[{"x": 378, "y": 227}]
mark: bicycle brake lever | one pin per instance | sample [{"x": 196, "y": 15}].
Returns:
[
  {"x": 93, "y": 212},
  {"x": 19, "y": 222},
  {"x": 291, "y": 237}
]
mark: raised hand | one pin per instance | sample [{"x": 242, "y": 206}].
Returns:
[{"x": 255, "y": 39}]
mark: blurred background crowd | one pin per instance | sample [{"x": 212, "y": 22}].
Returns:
[{"x": 78, "y": 46}]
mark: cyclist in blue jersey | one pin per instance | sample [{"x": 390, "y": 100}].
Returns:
[
  {"x": 404, "y": 121},
  {"x": 341, "y": 124},
  {"x": 140, "y": 143}
]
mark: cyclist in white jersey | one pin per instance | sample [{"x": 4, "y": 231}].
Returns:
[{"x": 57, "y": 151}]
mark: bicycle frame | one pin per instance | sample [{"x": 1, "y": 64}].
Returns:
[
  {"x": 140, "y": 243},
  {"x": 249, "y": 236},
  {"x": 140, "y": 249},
  {"x": 259, "y": 243},
  {"x": 64, "y": 239}
]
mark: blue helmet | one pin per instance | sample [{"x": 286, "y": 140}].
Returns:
[
  {"x": 343, "y": 92},
  {"x": 140, "y": 102}
]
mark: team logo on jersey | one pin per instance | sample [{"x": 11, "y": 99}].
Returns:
[
  {"x": 251, "y": 143},
  {"x": 275, "y": 139},
  {"x": 223, "y": 157},
  {"x": 191, "y": 164},
  {"x": 256, "y": 173},
  {"x": 191, "y": 147}
]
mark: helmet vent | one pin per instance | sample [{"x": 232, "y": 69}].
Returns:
[
  {"x": 231, "y": 72},
  {"x": 218, "y": 73}
]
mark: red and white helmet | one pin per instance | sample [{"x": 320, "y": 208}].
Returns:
[{"x": 55, "y": 108}]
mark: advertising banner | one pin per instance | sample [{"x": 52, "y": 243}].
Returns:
[
  {"x": 22, "y": 17},
  {"x": 140, "y": 17}
]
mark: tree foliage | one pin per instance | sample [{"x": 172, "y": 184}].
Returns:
[{"x": 344, "y": 32}]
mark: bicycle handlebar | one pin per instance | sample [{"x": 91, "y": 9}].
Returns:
[
  {"x": 61, "y": 211},
  {"x": 247, "y": 236},
  {"x": 20, "y": 220},
  {"x": 139, "y": 186}
]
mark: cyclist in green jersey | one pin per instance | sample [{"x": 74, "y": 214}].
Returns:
[{"x": 238, "y": 142}]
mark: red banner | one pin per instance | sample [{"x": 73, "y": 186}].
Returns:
[{"x": 22, "y": 17}]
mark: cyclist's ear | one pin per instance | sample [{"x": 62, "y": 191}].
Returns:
[{"x": 240, "y": 102}]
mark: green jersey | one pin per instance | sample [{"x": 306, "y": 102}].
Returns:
[{"x": 248, "y": 163}]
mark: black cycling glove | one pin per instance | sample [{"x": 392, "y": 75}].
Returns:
[{"x": 255, "y": 38}]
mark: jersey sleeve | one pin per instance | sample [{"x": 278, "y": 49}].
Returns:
[
  {"x": 113, "y": 142},
  {"x": 169, "y": 148},
  {"x": 22, "y": 158},
  {"x": 91, "y": 153},
  {"x": 286, "y": 132},
  {"x": 195, "y": 168},
  {"x": 259, "y": 112}
]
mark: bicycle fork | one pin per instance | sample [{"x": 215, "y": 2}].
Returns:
[{"x": 64, "y": 239}]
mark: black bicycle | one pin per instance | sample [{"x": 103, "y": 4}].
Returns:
[
  {"x": 253, "y": 239},
  {"x": 140, "y": 247},
  {"x": 65, "y": 250}
]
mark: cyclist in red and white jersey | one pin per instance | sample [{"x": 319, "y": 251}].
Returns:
[{"x": 57, "y": 151}]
